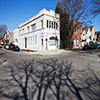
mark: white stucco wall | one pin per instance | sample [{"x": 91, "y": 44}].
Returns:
[
  {"x": 42, "y": 33},
  {"x": 16, "y": 37}
]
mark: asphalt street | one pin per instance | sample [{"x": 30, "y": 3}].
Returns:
[{"x": 79, "y": 59}]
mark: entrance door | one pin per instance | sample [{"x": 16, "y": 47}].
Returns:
[
  {"x": 25, "y": 42},
  {"x": 46, "y": 44}
]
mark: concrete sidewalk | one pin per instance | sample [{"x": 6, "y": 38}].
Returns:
[{"x": 47, "y": 52}]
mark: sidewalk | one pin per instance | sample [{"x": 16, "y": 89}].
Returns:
[{"x": 48, "y": 52}]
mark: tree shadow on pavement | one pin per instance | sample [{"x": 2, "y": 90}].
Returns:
[{"x": 49, "y": 79}]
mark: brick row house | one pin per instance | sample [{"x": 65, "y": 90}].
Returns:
[
  {"x": 76, "y": 35},
  {"x": 83, "y": 36}
]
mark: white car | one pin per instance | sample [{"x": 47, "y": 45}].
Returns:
[
  {"x": 6, "y": 46},
  {"x": 0, "y": 46}
]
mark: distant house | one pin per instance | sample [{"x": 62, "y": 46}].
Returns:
[
  {"x": 41, "y": 32},
  {"x": 88, "y": 35},
  {"x": 11, "y": 40},
  {"x": 98, "y": 36},
  {"x": 7, "y": 38},
  {"x": 76, "y": 35}
]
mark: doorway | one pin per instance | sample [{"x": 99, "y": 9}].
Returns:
[
  {"x": 46, "y": 44},
  {"x": 25, "y": 42}
]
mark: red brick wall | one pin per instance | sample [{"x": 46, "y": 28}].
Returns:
[{"x": 76, "y": 36}]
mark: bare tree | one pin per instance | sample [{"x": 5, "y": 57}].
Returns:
[
  {"x": 3, "y": 29},
  {"x": 95, "y": 7},
  {"x": 75, "y": 12}
]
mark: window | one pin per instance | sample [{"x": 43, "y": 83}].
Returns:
[
  {"x": 52, "y": 24},
  {"x": 47, "y": 23},
  {"x": 33, "y": 39},
  {"x": 28, "y": 29},
  {"x": 42, "y": 42},
  {"x": 52, "y": 41},
  {"x": 36, "y": 39},
  {"x": 74, "y": 42},
  {"x": 20, "y": 31},
  {"x": 29, "y": 40},
  {"x": 77, "y": 42},
  {"x": 23, "y": 30},
  {"x": 90, "y": 37},
  {"x": 41, "y": 23},
  {"x": 80, "y": 29},
  {"x": 56, "y": 25},
  {"x": 91, "y": 29},
  {"x": 75, "y": 30},
  {"x": 33, "y": 27},
  {"x": 16, "y": 40}
]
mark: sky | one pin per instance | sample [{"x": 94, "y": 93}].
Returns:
[{"x": 15, "y": 12}]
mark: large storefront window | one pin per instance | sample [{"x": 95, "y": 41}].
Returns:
[{"x": 52, "y": 41}]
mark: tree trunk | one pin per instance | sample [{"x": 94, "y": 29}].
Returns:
[{"x": 39, "y": 93}]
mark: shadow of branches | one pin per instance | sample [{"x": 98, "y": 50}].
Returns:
[{"x": 47, "y": 79}]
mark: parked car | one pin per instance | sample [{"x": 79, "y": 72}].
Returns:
[
  {"x": 11, "y": 46},
  {"x": 98, "y": 46},
  {"x": 6, "y": 46},
  {"x": 92, "y": 46},
  {"x": 16, "y": 48},
  {"x": 86, "y": 47},
  {"x": 0, "y": 46}
]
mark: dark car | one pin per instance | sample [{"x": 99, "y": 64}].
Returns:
[
  {"x": 11, "y": 46},
  {"x": 16, "y": 48},
  {"x": 86, "y": 47},
  {"x": 92, "y": 46},
  {"x": 98, "y": 46}
]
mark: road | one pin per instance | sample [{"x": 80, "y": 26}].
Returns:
[{"x": 79, "y": 59}]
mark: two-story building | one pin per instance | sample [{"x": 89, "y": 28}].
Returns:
[
  {"x": 77, "y": 34},
  {"x": 41, "y": 32},
  {"x": 7, "y": 38},
  {"x": 98, "y": 36},
  {"x": 88, "y": 35}
]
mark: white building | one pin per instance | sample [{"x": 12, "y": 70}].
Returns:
[
  {"x": 88, "y": 35},
  {"x": 8, "y": 37},
  {"x": 41, "y": 32}
]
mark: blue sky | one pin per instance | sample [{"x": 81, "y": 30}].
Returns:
[{"x": 14, "y": 12}]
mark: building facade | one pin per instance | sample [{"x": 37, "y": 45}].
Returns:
[
  {"x": 98, "y": 36},
  {"x": 7, "y": 38},
  {"x": 88, "y": 35},
  {"x": 77, "y": 34},
  {"x": 41, "y": 32}
]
